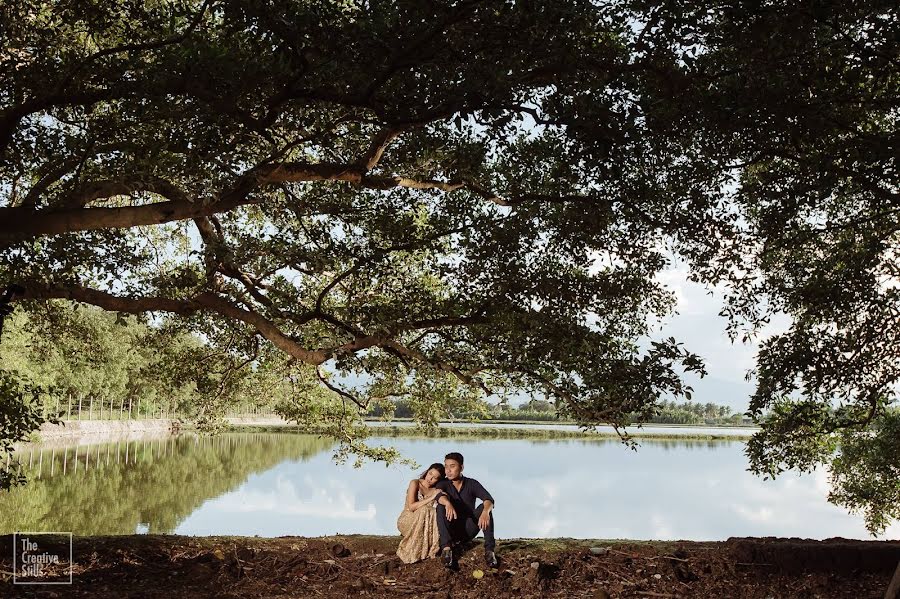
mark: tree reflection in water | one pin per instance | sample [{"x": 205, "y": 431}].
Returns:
[{"x": 151, "y": 485}]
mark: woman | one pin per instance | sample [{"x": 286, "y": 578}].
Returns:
[{"x": 418, "y": 521}]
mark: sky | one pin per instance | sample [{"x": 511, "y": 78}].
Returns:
[{"x": 698, "y": 325}]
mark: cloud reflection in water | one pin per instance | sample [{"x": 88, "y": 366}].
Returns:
[{"x": 681, "y": 490}]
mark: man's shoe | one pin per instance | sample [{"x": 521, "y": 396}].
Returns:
[
  {"x": 490, "y": 558},
  {"x": 447, "y": 557}
]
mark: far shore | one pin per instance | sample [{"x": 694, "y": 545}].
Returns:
[
  {"x": 92, "y": 431},
  {"x": 486, "y": 431},
  {"x": 749, "y": 427}
]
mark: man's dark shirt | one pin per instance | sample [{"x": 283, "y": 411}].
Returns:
[{"x": 464, "y": 500}]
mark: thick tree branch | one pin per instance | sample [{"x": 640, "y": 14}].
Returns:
[
  {"x": 107, "y": 301},
  {"x": 208, "y": 301},
  {"x": 18, "y": 224},
  {"x": 379, "y": 144},
  {"x": 266, "y": 328}
]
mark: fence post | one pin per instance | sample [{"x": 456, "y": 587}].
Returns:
[
  {"x": 91, "y": 409},
  {"x": 69, "y": 407},
  {"x": 80, "y": 397}
]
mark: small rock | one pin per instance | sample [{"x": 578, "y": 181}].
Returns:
[
  {"x": 599, "y": 550},
  {"x": 535, "y": 565},
  {"x": 657, "y": 576}
]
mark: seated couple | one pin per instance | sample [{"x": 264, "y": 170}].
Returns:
[{"x": 440, "y": 514}]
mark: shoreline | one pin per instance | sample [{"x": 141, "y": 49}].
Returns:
[
  {"x": 748, "y": 427},
  {"x": 84, "y": 432},
  {"x": 489, "y": 432}
]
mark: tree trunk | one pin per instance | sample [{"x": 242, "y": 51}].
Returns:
[{"x": 893, "y": 591}]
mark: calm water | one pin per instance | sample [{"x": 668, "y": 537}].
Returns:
[{"x": 273, "y": 484}]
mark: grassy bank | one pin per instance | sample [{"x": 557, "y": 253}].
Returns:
[{"x": 486, "y": 432}]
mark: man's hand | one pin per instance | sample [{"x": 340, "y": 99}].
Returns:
[
  {"x": 485, "y": 519},
  {"x": 450, "y": 511}
]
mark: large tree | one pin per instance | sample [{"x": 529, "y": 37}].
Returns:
[{"x": 455, "y": 198}]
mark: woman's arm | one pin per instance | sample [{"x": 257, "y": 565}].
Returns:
[{"x": 411, "y": 494}]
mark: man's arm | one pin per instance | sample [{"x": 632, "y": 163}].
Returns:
[
  {"x": 449, "y": 510},
  {"x": 488, "y": 502}
]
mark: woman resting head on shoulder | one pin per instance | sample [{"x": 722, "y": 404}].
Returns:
[
  {"x": 418, "y": 521},
  {"x": 421, "y": 490}
]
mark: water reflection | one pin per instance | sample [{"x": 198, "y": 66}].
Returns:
[
  {"x": 139, "y": 486},
  {"x": 276, "y": 484}
]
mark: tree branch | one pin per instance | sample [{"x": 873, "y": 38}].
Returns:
[
  {"x": 376, "y": 149},
  {"x": 205, "y": 300},
  {"x": 338, "y": 390}
]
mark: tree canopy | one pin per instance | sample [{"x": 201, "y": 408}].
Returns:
[{"x": 448, "y": 199}]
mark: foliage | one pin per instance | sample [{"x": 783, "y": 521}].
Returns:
[
  {"x": 866, "y": 472},
  {"x": 443, "y": 199},
  {"x": 20, "y": 413}
]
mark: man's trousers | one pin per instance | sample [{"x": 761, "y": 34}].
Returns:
[{"x": 463, "y": 528}]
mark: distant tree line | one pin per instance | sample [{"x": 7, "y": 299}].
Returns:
[
  {"x": 540, "y": 410},
  {"x": 75, "y": 356}
]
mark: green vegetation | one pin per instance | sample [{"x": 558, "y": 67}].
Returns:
[
  {"x": 163, "y": 482},
  {"x": 525, "y": 433},
  {"x": 537, "y": 410},
  {"x": 105, "y": 365},
  {"x": 505, "y": 432},
  {"x": 440, "y": 200},
  {"x": 20, "y": 416}
]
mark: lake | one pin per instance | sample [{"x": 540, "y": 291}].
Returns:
[{"x": 274, "y": 484}]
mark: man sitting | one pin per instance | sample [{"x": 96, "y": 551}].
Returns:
[{"x": 457, "y": 518}]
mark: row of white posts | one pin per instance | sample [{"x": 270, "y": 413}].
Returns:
[
  {"x": 107, "y": 409},
  {"x": 131, "y": 410}
]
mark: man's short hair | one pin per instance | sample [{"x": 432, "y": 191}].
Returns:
[{"x": 454, "y": 455}]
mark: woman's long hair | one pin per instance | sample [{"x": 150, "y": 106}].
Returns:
[{"x": 438, "y": 467}]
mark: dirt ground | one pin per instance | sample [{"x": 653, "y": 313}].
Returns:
[{"x": 158, "y": 566}]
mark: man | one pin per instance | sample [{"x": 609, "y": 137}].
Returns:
[{"x": 458, "y": 519}]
